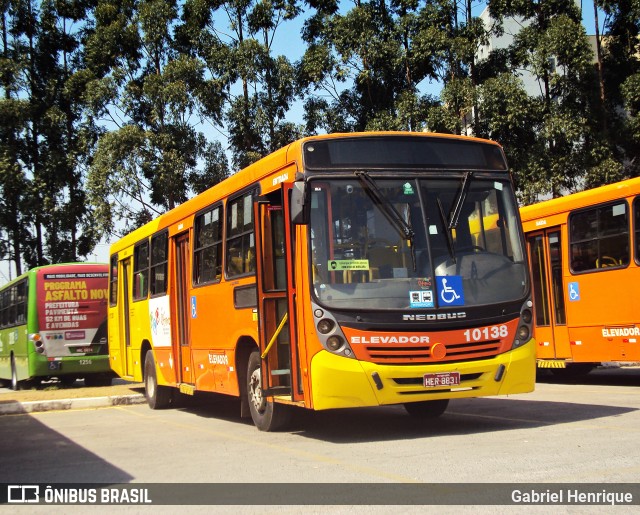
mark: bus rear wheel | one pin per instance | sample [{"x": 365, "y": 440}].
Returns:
[
  {"x": 158, "y": 397},
  {"x": 267, "y": 415},
  {"x": 427, "y": 409}
]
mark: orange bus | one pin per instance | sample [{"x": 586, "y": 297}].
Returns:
[
  {"x": 340, "y": 271},
  {"x": 584, "y": 251}
]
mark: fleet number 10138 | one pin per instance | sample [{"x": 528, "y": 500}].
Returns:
[{"x": 486, "y": 333}]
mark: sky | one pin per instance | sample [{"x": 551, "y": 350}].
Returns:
[{"x": 101, "y": 252}]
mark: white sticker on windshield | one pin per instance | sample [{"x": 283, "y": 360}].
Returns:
[
  {"x": 433, "y": 229},
  {"x": 498, "y": 185},
  {"x": 421, "y": 299}
]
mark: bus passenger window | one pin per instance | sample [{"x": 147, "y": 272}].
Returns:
[
  {"x": 113, "y": 281},
  {"x": 240, "y": 237},
  {"x": 599, "y": 237},
  {"x": 141, "y": 271},
  {"x": 159, "y": 257},
  {"x": 207, "y": 253}
]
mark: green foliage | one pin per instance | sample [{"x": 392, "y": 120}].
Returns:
[{"x": 153, "y": 91}]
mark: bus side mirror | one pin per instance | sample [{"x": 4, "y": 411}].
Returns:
[{"x": 299, "y": 211}]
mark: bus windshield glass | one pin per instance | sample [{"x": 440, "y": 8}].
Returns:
[{"x": 390, "y": 243}]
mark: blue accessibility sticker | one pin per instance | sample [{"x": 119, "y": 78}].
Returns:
[{"x": 450, "y": 290}]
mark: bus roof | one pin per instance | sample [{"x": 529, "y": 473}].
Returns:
[
  {"x": 52, "y": 267},
  {"x": 584, "y": 198},
  {"x": 285, "y": 156}
]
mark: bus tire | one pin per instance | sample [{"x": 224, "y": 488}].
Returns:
[
  {"x": 427, "y": 409},
  {"x": 267, "y": 415},
  {"x": 158, "y": 397}
]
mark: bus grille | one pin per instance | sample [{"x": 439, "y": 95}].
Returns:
[{"x": 407, "y": 354}]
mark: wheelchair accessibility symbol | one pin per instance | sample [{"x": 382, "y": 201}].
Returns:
[
  {"x": 574, "y": 292},
  {"x": 194, "y": 310},
  {"x": 450, "y": 291}
]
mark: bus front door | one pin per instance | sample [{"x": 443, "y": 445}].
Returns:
[
  {"x": 276, "y": 298},
  {"x": 551, "y": 333},
  {"x": 183, "y": 310}
]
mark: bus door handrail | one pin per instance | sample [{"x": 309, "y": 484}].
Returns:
[{"x": 275, "y": 335}]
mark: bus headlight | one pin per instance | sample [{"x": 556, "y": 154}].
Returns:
[
  {"x": 334, "y": 342},
  {"x": 523, "y": 334},
  {"x": 325, "y": 326},
  {"x": 330, "y": 334}
]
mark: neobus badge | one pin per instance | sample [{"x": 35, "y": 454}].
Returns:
[{"x": 431, "y": 316}]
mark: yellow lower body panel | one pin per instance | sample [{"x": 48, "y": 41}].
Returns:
[
  {"x": 544, "y": 363},
  {"x": 339, "y": 382}
]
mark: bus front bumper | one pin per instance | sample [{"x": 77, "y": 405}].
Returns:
[
  {"x": 69, "y": 365},
  {"x": 339, "y": 382}
]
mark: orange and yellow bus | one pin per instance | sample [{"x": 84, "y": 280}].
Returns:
[
  {"x": 340, "y": 271},
  {"x": 584, "y": 251}
]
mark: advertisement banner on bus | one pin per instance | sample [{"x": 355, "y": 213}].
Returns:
[{"x": 72, "y": 309}]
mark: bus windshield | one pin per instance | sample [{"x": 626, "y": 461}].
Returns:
[{"x": 456, "y": 242}]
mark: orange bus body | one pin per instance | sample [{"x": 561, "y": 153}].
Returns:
[
  {"x": 187, "y": 312},
  {"x": 585, "y": 257}
]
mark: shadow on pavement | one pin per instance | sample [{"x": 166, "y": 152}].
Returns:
[{"x": 30, "y": 451}]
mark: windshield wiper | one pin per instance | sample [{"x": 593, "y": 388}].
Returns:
[
  {"x": 459, "y": 202},
  {"x": 389, "y": 210},
  {"x": 447, "y": 231}
]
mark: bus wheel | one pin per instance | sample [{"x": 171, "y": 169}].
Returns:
[
  {"x": 427, "y": 409},
  {"x": 158, "y": 397},
  {"x": 267, "y": 415}
]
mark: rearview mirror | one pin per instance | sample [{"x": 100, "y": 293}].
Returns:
[{"x": 299, "y": 211}]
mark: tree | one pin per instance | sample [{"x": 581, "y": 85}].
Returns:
[
  {"x": 620, "y": 43},
  {"x": 553, "y": 46},
  {"x": 362, "y": 69},
  {"x": 42, "y": 160},
  {"x": 253, "y": 89},
  {"x": 13, "y": 181},
  {"x": 147, "y": 89}
]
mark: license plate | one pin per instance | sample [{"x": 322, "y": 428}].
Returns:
[{"x": 441, "y": 379}]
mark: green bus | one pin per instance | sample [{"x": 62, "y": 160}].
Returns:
[{"x": 53, "y": 324}]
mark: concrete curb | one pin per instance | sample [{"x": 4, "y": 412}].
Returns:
[{"x": 15, "y": 407}]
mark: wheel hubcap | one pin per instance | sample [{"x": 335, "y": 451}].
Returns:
[
  {"x": 150, "y": 386},
  {"x": 255, "y": 391}
]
